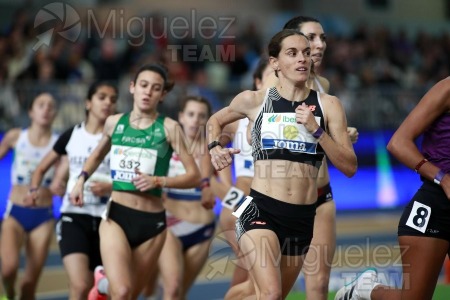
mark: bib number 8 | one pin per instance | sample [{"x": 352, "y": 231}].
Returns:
[{"x": 419, "y": 217}]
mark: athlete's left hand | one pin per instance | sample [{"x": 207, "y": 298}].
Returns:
[{"x": 303, "y": 115}]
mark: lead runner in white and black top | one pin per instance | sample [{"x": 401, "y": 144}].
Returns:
[
  {"x": 293, "y": 129},
  {"x": 77, "y": 228}
]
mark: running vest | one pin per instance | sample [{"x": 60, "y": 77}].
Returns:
[
  {"x": 436, "y": 143},
  {"x": 78, "y": 144},
  {"x": 27, "y": 157},
  {"x": 146, "y": 149},
  {"x": 276, "y": 134},
  {"x": 243, "y": 161},
  {"x": 176, "y": 168},
  {"x": 320, "y": 88}
]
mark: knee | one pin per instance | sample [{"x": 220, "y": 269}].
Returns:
[
  {"x": 271, "y": 292},
  {"x": 172, "y": 288},
  {"x": 79, "y": 289},
  {"x": 121, "y": 291},
  {"x": 9, "y": 271},
  {"x": 318, "y": 284}
]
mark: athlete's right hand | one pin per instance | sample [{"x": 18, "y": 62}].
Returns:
[
  {"x": 222, "y": 157},
  {"x": 76, "y": 195},
  {"x": 31, "y": 198}
]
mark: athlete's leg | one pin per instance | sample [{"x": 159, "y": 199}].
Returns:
[
  {"x": 228, "y": 225},
  {"x": 318, "y": 261},
  {"x": 194, "y": 259},
  {"x": 13, "y": 237},
  {"x": 37, "y": 246},
  {"x": 144, "y": 258},
  {"x": 422, "y": 259},
  {"x": 80, "y": 277},
  {"x": 263, "y": 262},
  {"x": 290, "y": 268},
  {"x": 170, "y": 264}
]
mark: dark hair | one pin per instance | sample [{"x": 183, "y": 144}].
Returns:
[
  {"x": 274, "y": 47},
  {"x": 93, "y": 88},
  {"x": 37, "y": 95},
  {"x": 296, "y": 22},
  {"x": 161, "y": 70},
  {"x": 262, "y": 65},
  {"x": 198, "y": 99}
]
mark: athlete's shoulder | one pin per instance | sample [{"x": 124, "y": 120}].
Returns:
[{"x": 11, "y": 136}]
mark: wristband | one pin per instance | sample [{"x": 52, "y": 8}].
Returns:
[
  {"x": 438, "y": 178},
  {"x": 84, "y": 174},
  {"x": 213, "y": 144},
  {"x": 32, "y": 190},
  {"x": 318, "y": 133},
  {"x": 420, "y": 164},
  {"x": 204, "y": 184}
]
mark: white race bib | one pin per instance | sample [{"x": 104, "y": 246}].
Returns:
[
  {"x": 419, "y": 217},
  {"x": 281, "y": 131},
  {"x": 125, "y": 159},
  {"x": 233, "y": 196}
]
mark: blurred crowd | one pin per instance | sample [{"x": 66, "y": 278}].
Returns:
[{"x": 379, "y": 74}]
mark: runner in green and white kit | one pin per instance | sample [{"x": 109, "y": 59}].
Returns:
[{"x": 132, "y": 231}]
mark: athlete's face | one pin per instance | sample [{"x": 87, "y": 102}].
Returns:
[
  {"x": 317, "y": 40},
  {"x": 148, "y": 90},
  {"x": 103, "y": 103},
  {"x": 43, "y": 111},
  {"x": 294, "y": 60},
  {"x": 194, "y": 118}
]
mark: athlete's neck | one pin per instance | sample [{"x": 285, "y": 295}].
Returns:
[
  {"x": 292, "y": 93},
  {"x": 93, "y": 125},
  {"x": 140, "y": 119},
  {"x": 39, "y": 134}
]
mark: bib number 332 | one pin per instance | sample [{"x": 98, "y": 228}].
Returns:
[{"x": 419, "y": 217}]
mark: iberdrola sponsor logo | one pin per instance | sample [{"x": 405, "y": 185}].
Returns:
[{"x": 280, "y": 118}]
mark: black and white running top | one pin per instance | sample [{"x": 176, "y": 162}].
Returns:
[
  {"x": 276, "y": 134},
  {"x": 78, "y": 144}
]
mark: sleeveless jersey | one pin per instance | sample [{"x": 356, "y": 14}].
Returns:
[
  {"x": 176, "y": 168},
  {"x": 276, "y": 134},
  {"x": 243, "y": 161},
  {"x": 27, "y": 157},
  {"x": 320, "y": 88},
  {"x": 146, "y": 149},
  {"x": 78, "y": 145},
  {"x": 436, "y": 143}
]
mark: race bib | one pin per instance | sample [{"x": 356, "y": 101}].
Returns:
[
  {"x": 419, "y": 217},
  {"x": 125, "y": 159},
  {"x": 281, "y": 131},
  {"x": 232, "y": 198},
  {"x": 241, "y": 208}
]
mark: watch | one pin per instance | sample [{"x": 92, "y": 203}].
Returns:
[{"x": 213, "y": 144}]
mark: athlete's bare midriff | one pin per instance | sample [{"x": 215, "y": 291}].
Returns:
[
  {"x": 138, "y": 200},
  {"x": 287, "y": 181}
]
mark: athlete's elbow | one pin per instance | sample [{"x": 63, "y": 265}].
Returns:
[{"x": 351, "y": 168}]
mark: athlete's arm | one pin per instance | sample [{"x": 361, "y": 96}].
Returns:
[
  {"x": 176, "y": 138},
  {"x": 402, "y": 144},
  {"x": 8, "y": 141},
  {"x": 243, "y": 105},
  {"x": 336, "y": 143}
]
